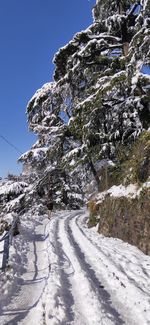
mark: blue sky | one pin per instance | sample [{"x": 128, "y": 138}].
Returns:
[{"x": 31, "y": 31}]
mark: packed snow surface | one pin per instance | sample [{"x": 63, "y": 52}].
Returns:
[{"x": 65, "y": 273}]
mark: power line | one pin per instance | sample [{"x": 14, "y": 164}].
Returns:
[{"x": 11, "y": 144}]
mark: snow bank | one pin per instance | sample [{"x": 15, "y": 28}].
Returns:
[
  {"x": 118, "y": 191},
  {"x": 132, "y": 190}
]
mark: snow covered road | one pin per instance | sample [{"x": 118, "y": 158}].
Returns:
[{"x": 72, "y": 275}]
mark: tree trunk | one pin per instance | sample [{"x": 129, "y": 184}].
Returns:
[
  {"x": 120, "y": 8},
  {"x": 95, "y": 174},
  {"x": 125, "y": 48}
]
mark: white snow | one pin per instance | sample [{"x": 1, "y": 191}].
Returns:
[
  {"x": 118, "y": 191},
  {"x": 11, "y": 187},
  {"x": 72, "y": 275},
  {"x": 46, "y": 89},
  {"x": 75, "y": 195},
  {"x": 9, "y": 217},
  {"x": 14, "y": 203},
  {"x": 36, "y": 153},
  {"x": 132, "y": 191}
]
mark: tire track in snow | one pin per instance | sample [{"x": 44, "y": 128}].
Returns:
[
  {"x": 86, "y": 289},
  {"x": 67, "y": 276},
  {"x": 57, "y": 298},
  {"x": 121, "y": 261},
  {"x": 111, "y": 276},
  {"x": 95, "y": 282},
  {"x": 133, "y": 278},
  {"x": 65, "y": 290}
]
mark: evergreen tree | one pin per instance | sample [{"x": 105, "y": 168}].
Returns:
[{"x": 99, "y": 99}]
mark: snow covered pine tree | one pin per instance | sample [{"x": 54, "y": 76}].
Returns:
[{"x": 98, "y": 102}]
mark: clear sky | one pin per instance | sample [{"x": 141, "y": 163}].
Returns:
[{"x": 31, "y": 31}]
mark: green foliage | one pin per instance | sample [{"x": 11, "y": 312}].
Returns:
[
  {"x": 93, "y": 208},
  {"x": 132, "y": 162},
  {"x": 93, "y": 221},
  {"x": 137, "y": 167}
]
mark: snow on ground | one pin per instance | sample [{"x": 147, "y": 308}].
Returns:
[
  {"x": 131, "y": 190},
  {"x": 65, "y": 273},
  {"x": 120, "y": 190},
  {"x": 23, "y": 283}
]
